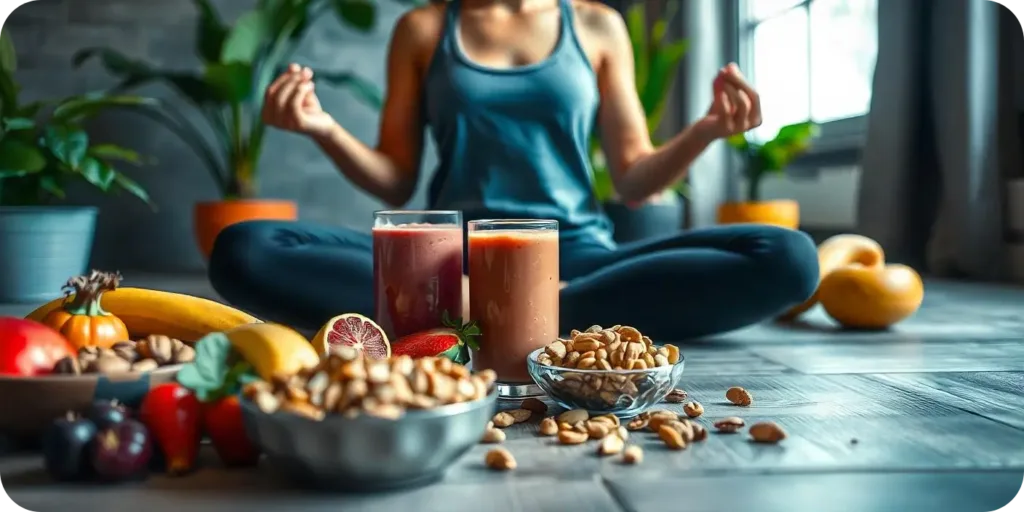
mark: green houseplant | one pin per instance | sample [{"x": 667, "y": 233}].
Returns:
[
  {"x": 43, "y": 149},
  {"x": 657, "y": 57},
  {"x": 759, "y": 161},
  {"x": 239, "y": 61}
]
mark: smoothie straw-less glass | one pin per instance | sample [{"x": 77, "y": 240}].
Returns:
[
  {"x": 417, "y": 269},
  {"x": 513, "y": 296}
]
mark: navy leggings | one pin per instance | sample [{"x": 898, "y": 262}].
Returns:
[{"x": 685, "y": 285}]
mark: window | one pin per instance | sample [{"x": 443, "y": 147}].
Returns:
[{"x": 811, "y": 59}]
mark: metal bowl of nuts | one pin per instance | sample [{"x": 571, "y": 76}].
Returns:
[
  {"x": 124, "y": 372},
  {"x": 615, "y": 370},
  {"x": 364, "y": 425}
]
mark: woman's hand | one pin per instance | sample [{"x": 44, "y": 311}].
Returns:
[
  {"x": 736, "y": 107},
  {"x": 291, "y": 104}
]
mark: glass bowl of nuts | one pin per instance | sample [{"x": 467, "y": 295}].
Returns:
[
  {"x": 359, "y": 424},
  {"x": 615, "y": 370}
]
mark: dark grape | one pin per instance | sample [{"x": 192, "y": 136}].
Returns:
[
  {"x": 107, "y": 413},
  {"x": 66, "y": 448},
  {"x": 122, "y": 452}
]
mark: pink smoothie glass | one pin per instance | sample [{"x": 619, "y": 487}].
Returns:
[{"x": 417, "y": 269}]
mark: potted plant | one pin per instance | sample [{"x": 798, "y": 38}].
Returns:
[
  {"x": 760, "y": 160},
  {"x": 44, "y": 148},
  {"x": 239, "y": 63},
  {"x": 657, "y": 59}
]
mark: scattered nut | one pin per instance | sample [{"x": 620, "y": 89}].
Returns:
[
  {"x": 503, "y": 419},
  {"x": 520, "y": 415},
  {"x": 500, "y": 459},
  {"x": 632, "y": 454},
  {"x": 534, "y": 405},
  {"x": 572, "y": 437},
  {"x": 573, "y": 416},
  {"x": 548, "y": 427},
  {"x": 597, "y": 429},
  {"x": 145, "y": 365},
  {"x": 739, "y": 396},
  {"x": 699, "y": 432},
  {"x": 68, "y": 366},
  {"x": 676, "y": 396},
  {"x": 729, "y": 425},
  {"x": 658, "y": 418},
  {"x": 493, "y": 436},
  {"x": 610, "y": 445},
  {"x": 693, "y": 409},
  {"x": 638, "y": 423},
  {"x": 671, "y": 437},
  {"x": 766, "y": 432}
]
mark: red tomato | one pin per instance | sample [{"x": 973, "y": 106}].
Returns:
[
  {"x": 172, "y": 414},
  {"x": 222, "y": 421},
  {"x": 29, "y": 348}
]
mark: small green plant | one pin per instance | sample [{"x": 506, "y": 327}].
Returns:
[
  {"x": 657, "y": 59},
  {"x": 239, "y": 62},
  {"x": 772, "y": 157},
  {"x": 41, "y": 153}
]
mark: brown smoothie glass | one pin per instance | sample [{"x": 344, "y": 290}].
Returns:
[
  {"x": 513, "y": 295},
  {"x": 417, "y": 270}
]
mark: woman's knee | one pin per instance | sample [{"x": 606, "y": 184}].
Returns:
[
  {"x": 237, "y": 254},
  {"x": 790, "y": 259}
]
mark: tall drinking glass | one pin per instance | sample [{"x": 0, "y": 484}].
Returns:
[
  {"x": 513, "y": 296},
  {"x": 417, "y": 269}
]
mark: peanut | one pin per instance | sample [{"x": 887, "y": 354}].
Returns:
[
  {"x": 729, "y": 425},
  {"x": 493, "y": 436},
  {"x": 739, "y": 396},
  {"x": 548, "y": 427},
  {"x": 597, "y": 429},
  {"x": 693, "y": 409},
  {"x": 632, "y": 454},
  {"x": 611, "y": 445},
  {"x": 699, "y": 432},
  {"x": 500, "y": 459},
  {"x": 676, "y": 396},
  {"x": 573, "y": 416},
  {"x": 520, "y": 415},
  {"x": 503, "y": 419},
  {"x": 572, "y": 437},
  {"x": 766, "y": 432}
]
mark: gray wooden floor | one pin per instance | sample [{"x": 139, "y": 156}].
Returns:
[{"x": 927, "y": 417}]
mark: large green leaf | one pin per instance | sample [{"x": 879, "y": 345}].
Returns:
[
  {"x": 97, "y": 172},
  {"x": 8, "y": 94},
  {"x": 210, "y": 32},
  {"x": 132, "y": 187},
  {"x": 8, "y": 55},
  {"x": 363, "y": 89},
  {"x": 19, "y": 158},
  {"x": 14, "y": 124},
  {"x": 80, "y": 108},
  {"x": 359, "y": 14},
  {"x": 291, "y": 16},
  {"x": 739, "y": 142},
  {"x": 231, "y": 82},
  {"x": 69, "y": 145},
  {"x": 115, "y": 152},
  {"x": 246, "y": 38}
]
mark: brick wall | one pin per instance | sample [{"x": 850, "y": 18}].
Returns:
[{"x": 48, "y": 32}]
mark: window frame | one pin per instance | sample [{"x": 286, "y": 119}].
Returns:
[{"x": 840, "y": 141}]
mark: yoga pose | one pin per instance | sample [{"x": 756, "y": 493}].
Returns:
[{"x": 510, "y": 91}]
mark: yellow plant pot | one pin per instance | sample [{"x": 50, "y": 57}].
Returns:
[{"x": 783, "y": 212}]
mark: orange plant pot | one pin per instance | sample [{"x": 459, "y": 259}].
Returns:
[
  {"x": 211, "y": 218},
  {"x": 783, "y": 212}
]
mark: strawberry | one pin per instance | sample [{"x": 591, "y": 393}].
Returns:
[{"x": 452, "y": 341}]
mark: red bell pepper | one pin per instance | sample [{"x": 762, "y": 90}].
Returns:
[
  {"x": 173, "y": 416},
  {"x": 222, "y": 421}
]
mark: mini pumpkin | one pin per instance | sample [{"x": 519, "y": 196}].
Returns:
[{"x": 81, "y": 319}]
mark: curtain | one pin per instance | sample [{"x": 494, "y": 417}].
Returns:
[{"x": 935, "y": 163}]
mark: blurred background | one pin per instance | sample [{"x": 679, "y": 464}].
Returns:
[{"x": 916, "y": 105}]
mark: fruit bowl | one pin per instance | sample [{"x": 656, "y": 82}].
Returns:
[
  {"x": 33, "y": 402},
  {"x": 366, "y": 454},
  {"x": 624, "y": 393}
]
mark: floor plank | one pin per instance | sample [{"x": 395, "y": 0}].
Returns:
[
  {"x": 864, "y": 492},
  {"x": 995, "y": 395}
]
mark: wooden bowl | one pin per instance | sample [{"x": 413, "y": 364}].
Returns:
[{"x": 33, "y": 402}]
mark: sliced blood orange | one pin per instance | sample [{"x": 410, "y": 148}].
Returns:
[{"x": 356, "y": 331}]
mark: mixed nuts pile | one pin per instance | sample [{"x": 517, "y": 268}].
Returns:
[
  {"x": 345, "y": 382},
  {"x": 578, "y": 426},
  {"x": 144, "y": 355},
  {"x": 621, "y": 348}
]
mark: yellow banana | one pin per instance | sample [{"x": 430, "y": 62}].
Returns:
[
  {"x": 179, "y": 316},
  {"x": 273, "y": 349}
]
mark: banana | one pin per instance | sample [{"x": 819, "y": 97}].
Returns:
[
  {"x": 273, "y": 349},
  {"x": 176, "y": 315}
]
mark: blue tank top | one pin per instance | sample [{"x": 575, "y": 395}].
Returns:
[{"x": 513, "y": 143}]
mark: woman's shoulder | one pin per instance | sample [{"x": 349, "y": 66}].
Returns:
[
  {"x": 423, "y": 21},
  {"x": 595, "y": 15}
]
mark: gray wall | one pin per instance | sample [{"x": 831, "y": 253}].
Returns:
[{"x": 130, "y": 236}]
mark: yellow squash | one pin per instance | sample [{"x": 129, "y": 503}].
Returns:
[
  {"x": 146, "y": 312},
  {"x": 273, "y": 349},
  {"x": 863, "y": 297},
  {"x": 837, "y": 252}
]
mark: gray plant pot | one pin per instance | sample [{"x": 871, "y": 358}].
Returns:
[
  {"x": 41, "y": 247},
  {"x": 647, "y": 221}
]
